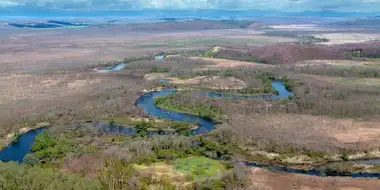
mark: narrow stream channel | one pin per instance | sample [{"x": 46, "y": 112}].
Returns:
[
  {"x": 17, "y": 151},
  {"x": 118, "y": 67}
]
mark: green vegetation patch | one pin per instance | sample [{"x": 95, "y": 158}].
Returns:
[
  {"x": 143, "y": 125},
  {"x": 158, "y": 69},
  {"x": 47, "y": 147},
  {"x": 289, "y": 84},
  {"x": 195, "y": 168},
  {"x": 199, "y": 167},
  {"x": 176, "y": 104},
  {"x": 53, "y": 147},
  {"x": 265, "y": 78},
  {"x": 350, "y": 168},
  {"x": 106, "y": 64},
  {"x": 211, "y": 52}
]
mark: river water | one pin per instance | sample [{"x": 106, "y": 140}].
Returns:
[{"x": 17, "y": 151}]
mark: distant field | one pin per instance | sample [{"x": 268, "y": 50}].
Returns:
[
  {"x": 347, "y": 83},
  {"x": 358, "y": 82},
  {"x": 342, "y": 38},
  {"x": 207, "y": 41},
  {"x": 74, "y": 48},
  {"x": 339, "y": 63},
  {"x": 299, "y": 27},
  {"x": 227, "y": 63}
]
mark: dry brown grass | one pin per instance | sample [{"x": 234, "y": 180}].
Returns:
[
  {"x": 226, "y": 63},
  {"x": 365, "y": 134},
  {"x": 20, "y": 87},
  {"x": 62, "y": 98},
  {"x": 318, "y": 133},
  {"x": 212, "y": 82},
  {"x": 338, "y": 63},
  {"x": 342, "y": 38},
  {"x": 369, "y": 84},
  {"x": 74, "y": 49},
  {"x": 265, "y": 180}
]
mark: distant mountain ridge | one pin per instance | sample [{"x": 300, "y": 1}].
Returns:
[
  {"x": 193, "y": 25},
  {"x": 48, "y": 24},
  {"x": 358, "y": 22}
]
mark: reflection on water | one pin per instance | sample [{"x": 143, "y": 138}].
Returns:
[
  {"x": 118, "y": 67},
  {"x": 17, "y": 151},
  {"x": 283, "y": 94},
  {"x": 315, "y": 172}
]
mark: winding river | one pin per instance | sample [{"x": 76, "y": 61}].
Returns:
[{"x": 17, "y": 151}]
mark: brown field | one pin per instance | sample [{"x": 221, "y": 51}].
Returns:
[
  {"x": 39, "y": 69},
  {"x": 226, "y": 63},
  {"x": 290, "y": 53},
  {"x": 21, "y": 87},
  {"x": 260, "y": 179},
  {"x": 343, "y": 63},
  {"x": 344, "y": 38},
  {"x": 371, "y": 84},
  {"x": 214, "y": 82},
  {"x": 66, "y": 98},
  {"x": 73, "y": 49},
  {"x": 310, "y": 131}
]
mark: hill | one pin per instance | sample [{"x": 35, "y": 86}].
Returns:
[{"x": 371, "y": 22}]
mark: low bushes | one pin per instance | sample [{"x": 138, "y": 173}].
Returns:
[
  {"x": 177, "y": 104},
  {"x": 14, "y": 176}
]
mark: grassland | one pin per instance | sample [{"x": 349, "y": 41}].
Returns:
[
  {"x": 175, "y": 103},
  {"x": 147, "y": 124},
  {"x": 341, "y": 118},
  {"x": 191, "y": 168},
  {"x": 206, "y": 41},
  {"x": 367, "y": 82},
  {"x": 199, "y": 167}
]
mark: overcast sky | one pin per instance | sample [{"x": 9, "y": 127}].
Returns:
[{"x": 282, "y": 5}]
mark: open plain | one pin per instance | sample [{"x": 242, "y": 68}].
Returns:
[{"x": 219, "y": 101}]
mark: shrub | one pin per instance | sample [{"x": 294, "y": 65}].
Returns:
[{"x": 14, "y": 177}]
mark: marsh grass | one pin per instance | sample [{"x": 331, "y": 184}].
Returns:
[
  {"x": 199, "y": 167},
  {"x": 178, "y": 104}
]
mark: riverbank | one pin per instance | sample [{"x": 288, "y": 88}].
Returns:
[
  {"x": 13, "y": 137},
  {"x": 148, "y": 103}
]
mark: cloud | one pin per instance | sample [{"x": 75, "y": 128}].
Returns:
[
  {"x": 337, "y": 5},
  {"x": 285, "y": 5},
  {"x": 7, "y": 3}
]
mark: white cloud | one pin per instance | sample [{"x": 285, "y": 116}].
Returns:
[
  {"x": 6, "y": 3},
  {"x": 287, "y": 5}
]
